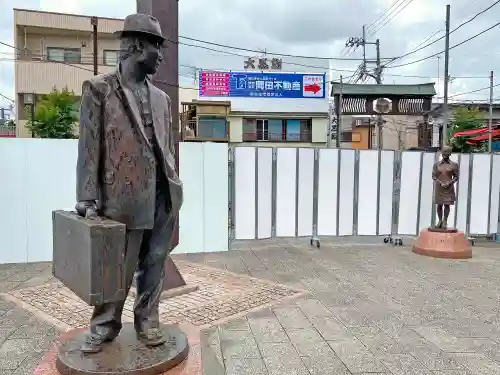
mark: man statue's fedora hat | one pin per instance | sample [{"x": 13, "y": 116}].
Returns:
[{"x": 141, "y": 24}]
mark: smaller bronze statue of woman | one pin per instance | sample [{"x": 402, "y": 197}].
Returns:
[{"x": 445, "y": 174}]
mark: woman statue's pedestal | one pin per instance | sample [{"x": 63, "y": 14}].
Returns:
[{"x": 443, "y": 243}]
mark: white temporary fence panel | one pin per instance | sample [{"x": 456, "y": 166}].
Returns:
[
  {"x": 264, "y": 192},
  {"x": 480, "y": 194},
  {"x": 346, "y": 192},
  {"x": 203, "y": 219},
  {"x": 243, "y": 204},
  {"x": 38, "y": 177},
  {"x": 426, "y": 191},
  {"x": 13, "y": 186},
  {"x": 495, "y": 194},
  {"x": 463, "y": 191},
  {"x": 386, "y": 195},
  {"x": 290, "y": 192},
  {"x": 191, "y": 218},
  {"x": 452, "y": 219},
  {"x": 327, "y": 192},
  {"x": 50, "y": 179},
  {"x": 368, "y": 192},
  {"x": 409, "y": 193},
  {"x": 286, "y": 187},
  {"x": 305, "y": 192}
]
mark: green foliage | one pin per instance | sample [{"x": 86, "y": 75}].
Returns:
[
  {"x": 8, "y": 123},
  {"x": 466, "y": 118},
  {"x": 55, "y": 116}
]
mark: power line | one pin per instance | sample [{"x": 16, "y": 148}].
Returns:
[
  {"x": 257, "y": 51},
  {"x": 391, "y": 18},
  {"x": 82, "y": 67},
  {"x": 373, "y": 24},
  {"x": 473, "y": 91},
  {"x": 439, "y": 53},
  {"x": 229, "y": 70},
  {"x": 189, "y": 66},
  {"x": 427, "y": 39},
  {"x": 289, "y": 63},
  {"x": 7, "y": 98},
  {"x": 442, "y": 37}
]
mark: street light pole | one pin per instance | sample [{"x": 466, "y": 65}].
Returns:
[
  {"x": 94, "y": 21},
  {"x": 490, "y": 119},
  {"x": 446, "y": 77}
]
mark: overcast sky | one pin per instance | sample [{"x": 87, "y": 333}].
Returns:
[{"x": 309, "y": 28}]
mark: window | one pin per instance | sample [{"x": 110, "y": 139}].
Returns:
[
  {"x": 212, "y": 127},
  {"x": 249, "y": 129},
  {"x": 346, "y": 136},
  {"x": 110, "y": 57},
  {"x": 262, "y": 130},
  {"x": 71, "y": 55},
  {"x": 292, "y": 130}
]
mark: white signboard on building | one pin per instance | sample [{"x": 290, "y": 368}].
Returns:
[{"x": 313, "y": 86}]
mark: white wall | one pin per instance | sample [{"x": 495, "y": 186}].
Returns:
[
  {"x": 37, "y": 176},
  {"x": 275, "y": 105},
  {"x": 235, "y": 129},
  {"x": 319, "y": 128}
]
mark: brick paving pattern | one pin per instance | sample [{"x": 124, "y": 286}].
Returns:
[
  {"x": 221, "y": 294},
  {"x": 371, "y": 309}
]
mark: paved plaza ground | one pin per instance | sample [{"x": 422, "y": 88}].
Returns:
[{"x": 351, "y": 307}]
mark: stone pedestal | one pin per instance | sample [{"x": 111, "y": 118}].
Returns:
[
  {"x": 442, "y": 243},
  {"x": 125, "y": 356}
]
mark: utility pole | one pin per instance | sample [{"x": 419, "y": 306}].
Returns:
[
  {"x": 378, "y": 68},
  {"x": 339, "y": 114},
  {"x": 355, "y": 42},
  {"x": 446, "y": 77},
  {"x": 378, "y": 78},
  {"x": 376, "y": 75},
  {"x": 94, "y": 21},
  {"x": 490, "y": 120}
]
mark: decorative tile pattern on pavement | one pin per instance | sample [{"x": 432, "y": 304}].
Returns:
[{"x": 221, "y": 295}]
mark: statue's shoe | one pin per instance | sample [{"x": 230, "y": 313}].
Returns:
[
  {"x": 152, "y": 337},
  {"x": 93, "y": 343}
]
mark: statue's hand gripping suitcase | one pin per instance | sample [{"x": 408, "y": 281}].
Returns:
[{"x": 89, "y": 256}]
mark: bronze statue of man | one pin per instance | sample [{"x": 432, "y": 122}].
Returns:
[
  {"x": 126, "y": 172},
  {"x": 445, "y": 174}
]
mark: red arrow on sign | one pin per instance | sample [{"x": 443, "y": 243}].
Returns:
[{"x": 314, "y": 88}]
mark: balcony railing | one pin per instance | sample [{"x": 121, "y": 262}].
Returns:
[
  {"x": 191, "y": 132},
  {"x": 265, "y": 136},
  {"x": 82, "y": 59},
  {"x": 7, "y": 131}
]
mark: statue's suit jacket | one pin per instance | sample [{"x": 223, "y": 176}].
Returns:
[{"x": 116, "y": 163}]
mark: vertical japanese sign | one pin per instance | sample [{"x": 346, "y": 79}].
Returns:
[{"x": 262, "y": 85}]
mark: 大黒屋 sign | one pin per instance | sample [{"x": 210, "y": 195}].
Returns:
[
  {"x": 263, "y": 63},
  {"x": 262, "y": 85}
]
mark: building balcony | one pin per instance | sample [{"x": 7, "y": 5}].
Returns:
[
  {"x": 7, "y": 131},
  {"x": 205, "y": 129},
  {"x": 266, "y": 136}
]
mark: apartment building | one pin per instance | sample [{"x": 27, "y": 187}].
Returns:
[{"x": 55, "y": 50}]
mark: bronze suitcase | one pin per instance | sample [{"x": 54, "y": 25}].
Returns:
[{"x": 89, "y": 256}]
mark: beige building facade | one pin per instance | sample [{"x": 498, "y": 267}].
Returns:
[{"x": 55, "y": 50}]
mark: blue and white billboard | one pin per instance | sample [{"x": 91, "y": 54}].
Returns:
[{"x": 262, "y": 85}]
